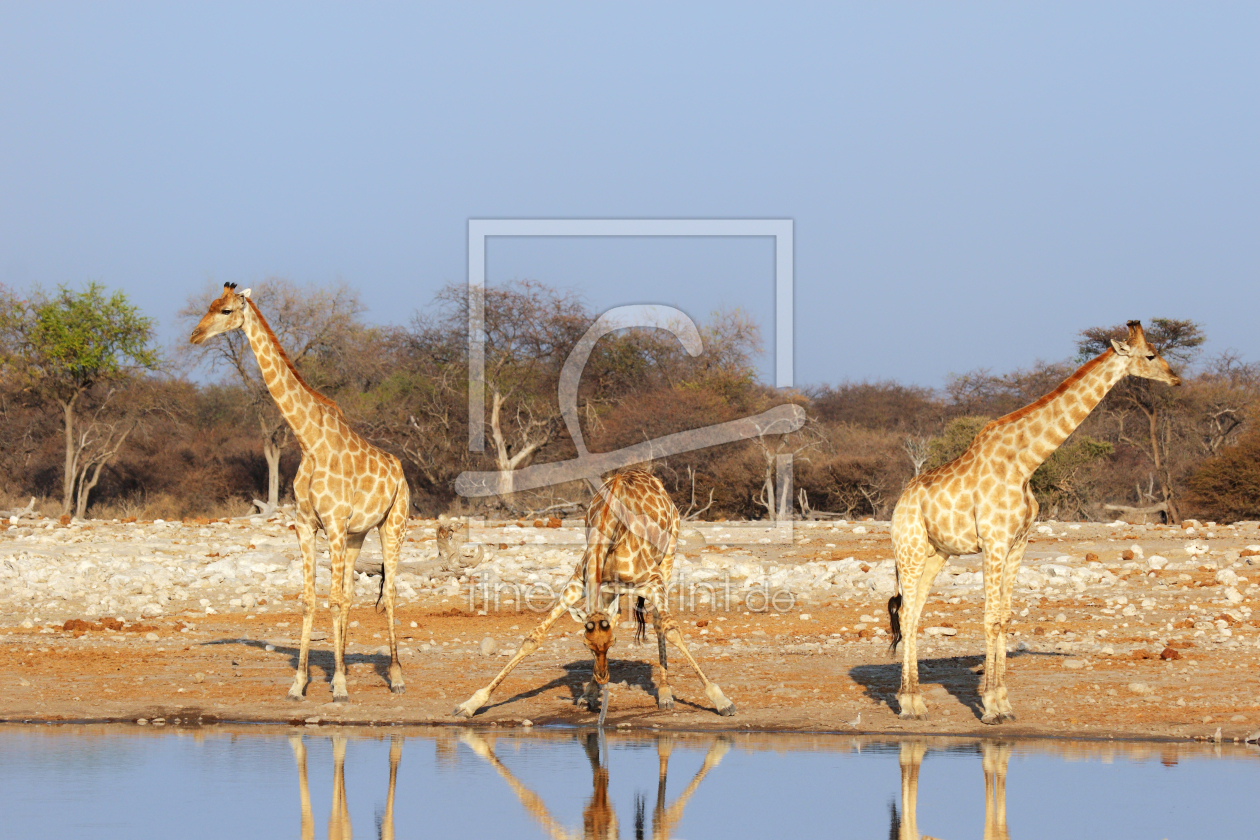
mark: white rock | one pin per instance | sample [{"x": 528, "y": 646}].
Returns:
[
  {"x": 1156, "y": 562},
  {"x": 1233, "y": 595},
  {"x": 488, "y": 646},
  {"x": 1228, "y": 577}
]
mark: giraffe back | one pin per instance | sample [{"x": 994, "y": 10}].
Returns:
[{"x": 631, "y": 533}]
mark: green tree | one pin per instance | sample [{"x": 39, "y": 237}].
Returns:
[
  {"x": 953, "y": 440},
  {"x": 64, "y": 346}
]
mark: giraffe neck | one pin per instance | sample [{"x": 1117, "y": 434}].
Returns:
[
  {"x": 300, "y": 405},
  {"x": 1040, "y": 428}
]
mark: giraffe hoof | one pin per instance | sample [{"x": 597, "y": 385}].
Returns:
[
  {"x": 727, "y": 710},
  {"x": 295, "y": 696},
  {"x": 991, "y": 719},
  {"x": 341, "y": 698},
  {"x": 665, "y": 702},
  {"x": 398, "y": 689}
]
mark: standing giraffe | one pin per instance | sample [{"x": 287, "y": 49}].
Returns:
[
  {"x": 344, "y": 485},
  {"x": 339, "y": 827},
  {"x": 981, "y": 501},
  {"x": 994, "y": 758},
  {"x": 631, "y": 534}
]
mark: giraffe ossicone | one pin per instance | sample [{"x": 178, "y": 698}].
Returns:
[
  {"x": 344, "y": 486},
  {"x": 981, "y": 501},
  {"x": 631, "y": 535}
]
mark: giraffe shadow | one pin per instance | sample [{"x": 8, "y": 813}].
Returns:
[
  {"x": 634, "y": 673},
  {"x": 317, "y": 658},
  {"x": 960, "y": 676}
]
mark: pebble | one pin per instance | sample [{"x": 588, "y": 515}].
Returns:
[
  {"x": 1140, "y": 688},
  {"x": 1074, "y": 664},
  {"x": 488, "y": 646},
  {"x": 151, "y": 637},
  {"x": 806, "y": 616},
  {"x": 199, "y": 677}
]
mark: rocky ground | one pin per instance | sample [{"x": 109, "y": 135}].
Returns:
[{"x": 1120, "y": 631}]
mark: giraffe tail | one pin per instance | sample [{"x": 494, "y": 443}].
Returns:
[
  {"x": 640, "y": 620},
  {"x": 894, "y": 620}
]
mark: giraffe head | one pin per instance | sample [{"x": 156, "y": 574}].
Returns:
[
  {"x": 600, "y": 632},
  {"x": 1143, "y": 361},
  {"x": 226, "y": 313}
]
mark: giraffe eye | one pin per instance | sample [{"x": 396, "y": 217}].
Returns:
[
  {"x": 227, "y": 311},
  {"x": 1150, "y": 358},
  {"x": 590, "y": 627}
]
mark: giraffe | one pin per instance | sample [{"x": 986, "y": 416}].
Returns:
[
  {"x": 631, "y": 534},
  {"x": 981, "y": 501},
  {"x": 339, "y": 827},
  {"x": 599, "y": 819},
  {"x": 994, "y": 759},
  {"x": 344, "y": 485}
]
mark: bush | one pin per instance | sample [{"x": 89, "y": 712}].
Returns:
[{"x": 1226, "y": 487}]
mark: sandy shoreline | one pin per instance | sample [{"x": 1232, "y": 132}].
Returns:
[{"x": 211, "y": 619}]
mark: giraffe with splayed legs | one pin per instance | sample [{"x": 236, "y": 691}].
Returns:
[
  {"x": 631, "y": 535},
  {"x": 344, "y": 486},
  {"x": 981, "y": 501},
  {"x": 599, "y": 819}
]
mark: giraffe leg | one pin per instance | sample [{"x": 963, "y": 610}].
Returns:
[
  {"x": 395, "y": 756},
  {"x": 1013, "y": 559},
  {"x": 910, "y": 758},
  {"x": 913, "y": 611},
  {"x": 340, "y": 604},
  {"x": 339, "y": 827},
  {"x": 656, "y": 596},
  {"x": 305, "y": 527},
  {"x": 664, "y": 696},
  {"x": 304, "y": 790},
  {"x": 392, "y": 532},
  {"x": 995, "y": 560},
  {"x": 995, "y": 758},
  {"x": 573, "y": 592},
  {"x": 918, "y": 563}
]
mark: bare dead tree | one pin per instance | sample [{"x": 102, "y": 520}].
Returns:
[{"x": 918, "y": 450}]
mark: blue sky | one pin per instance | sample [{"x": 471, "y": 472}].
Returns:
[{"x": 971, "y": 184}]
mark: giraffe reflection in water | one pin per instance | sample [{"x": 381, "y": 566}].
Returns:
[
  {"x": 599, "y": 820},
  {"x": 994, "y": 756},
  {"x": 339, "y": 827}
]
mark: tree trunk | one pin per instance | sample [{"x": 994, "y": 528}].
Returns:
[
  {"x": 272, "y": 452},
  {"x": 68, "y": 476},
  {"x": 1161, "y": 471}
]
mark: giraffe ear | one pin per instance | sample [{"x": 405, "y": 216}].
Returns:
[
  {"x": 577, "y": 615},
  {"x": 245, "y": 293},
  {"x": 1120, "y": 347}
]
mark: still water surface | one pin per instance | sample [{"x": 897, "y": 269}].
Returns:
[{"x": 124, "y": 782}]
